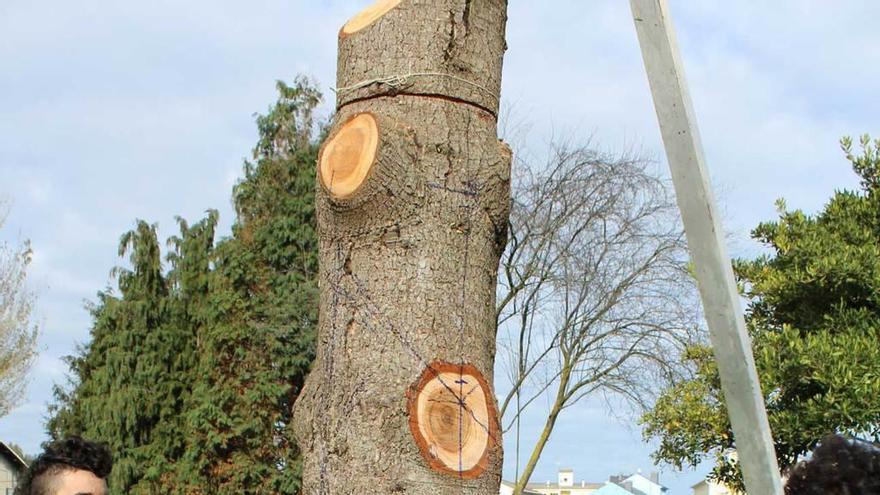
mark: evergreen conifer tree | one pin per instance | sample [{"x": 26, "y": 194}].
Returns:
[
  {"x": 259, "y": 344},
  {"x": 125, "y": 384},
  {"x": 190, "y": 375}
]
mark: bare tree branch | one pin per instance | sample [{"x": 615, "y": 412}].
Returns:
[{"x": 595, "y": 294}]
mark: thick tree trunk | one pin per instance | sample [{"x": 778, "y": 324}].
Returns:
[{"x": 412, "y": 208}]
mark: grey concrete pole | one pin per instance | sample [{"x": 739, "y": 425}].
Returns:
[{"x": 731, "y": 343}]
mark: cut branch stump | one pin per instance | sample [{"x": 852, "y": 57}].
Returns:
[{"x": 412, "y": 205}]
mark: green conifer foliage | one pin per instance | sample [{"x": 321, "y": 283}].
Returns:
[
  {"x": 188, "y": 281},
  {"x": 255, "y": 353},
  {"x": 125, "y": 377},
  {"x": 190, "y": 375}
]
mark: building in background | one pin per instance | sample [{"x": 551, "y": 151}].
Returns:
[
  {"x": 11, "y": 468},
  {"x": 635, "y": 484},
  {"x": 709, "y": 487},
  {"x": 507, "y": 489},
  {"x": 639, "y": 484},
  {"x": 612, "y": 489}
]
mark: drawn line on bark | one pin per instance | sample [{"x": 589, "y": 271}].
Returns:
[
  {"x": 471, "y": 190},
  {"x": 371, "y": 307},
  {"x": 367, "y": 302},
  {"x": 328, "y": 379},
  {"x": 463, "y": 192},
  {"x": 470, "y": 203},
  {"x": 328, "y": 375},
  {"x": 461, "y": 404},
  {"x": 364, "y": 301}
]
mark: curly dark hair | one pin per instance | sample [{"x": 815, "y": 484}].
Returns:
[
  {"x": 839, "y": 466},
  {"x": 63, "y": 455}
]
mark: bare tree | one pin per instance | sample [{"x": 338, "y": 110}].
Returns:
[
  {"x": 18, "y": 332},
  {"x": 594, "y": 290}
]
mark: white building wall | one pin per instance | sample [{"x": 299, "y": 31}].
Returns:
[
  {"x": 709, "y": 488},
  {"x": 701, "y": 489},
  {"x": 7, "y": 476},
  {"x": 645, "y": 485}
]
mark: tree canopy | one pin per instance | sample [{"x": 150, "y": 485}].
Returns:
[
  {"x": 18, "y": 331},
  {"x": 814, "y": 317},
  {"x": 191, "y": 372}
]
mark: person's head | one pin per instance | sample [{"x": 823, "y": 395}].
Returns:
[
  {"x": 72, "y": 466},
  {"x": 838, "y": 466}
]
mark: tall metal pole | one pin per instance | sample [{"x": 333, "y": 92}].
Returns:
[{"x": 731, "y": 344}]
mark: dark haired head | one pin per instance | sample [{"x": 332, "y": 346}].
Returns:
[
  {"x": 838, "y": 467},
  {"x": 70, "y": 454}
]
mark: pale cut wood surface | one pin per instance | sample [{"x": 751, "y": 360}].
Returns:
[
  {"x": 453, "y": 419},
  {"x": 452, "y": 433},
  {"x": 369, "y": 15},
  {"x": 348, "y": 156}
]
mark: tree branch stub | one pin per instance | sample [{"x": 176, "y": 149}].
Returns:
[
  {"x": 348, "y": 156},
  {"x": 413, "y": 186},
  {"x": 453, "y": 419}
]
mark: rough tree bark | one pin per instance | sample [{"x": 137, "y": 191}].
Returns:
[{"x": 412, "y": 205}]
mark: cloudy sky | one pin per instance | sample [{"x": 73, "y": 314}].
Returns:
[{"x": 117, "y": 110}]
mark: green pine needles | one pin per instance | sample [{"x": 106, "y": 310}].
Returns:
[{"x": 191, "y": 372}]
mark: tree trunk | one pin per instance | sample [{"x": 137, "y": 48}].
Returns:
[
  {"x": 412, "y": 207},
  {"x": 558, "y": 402}
]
